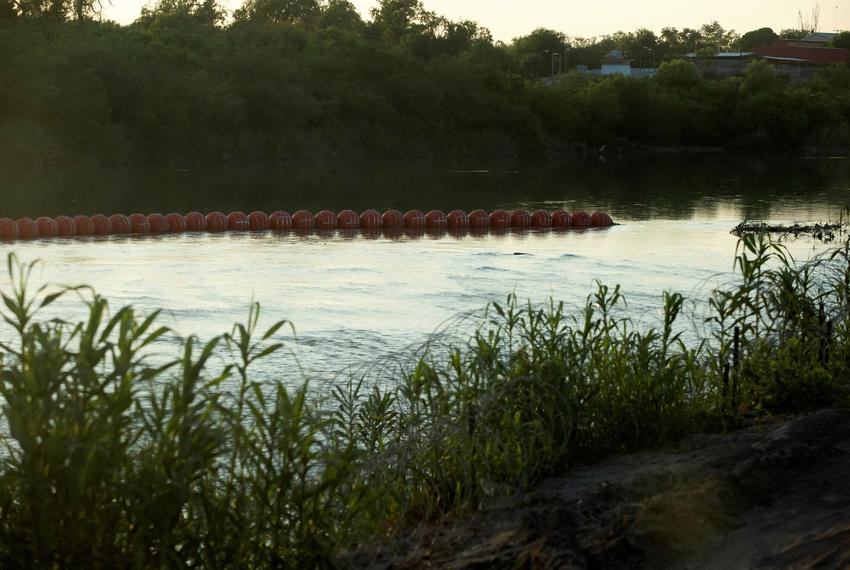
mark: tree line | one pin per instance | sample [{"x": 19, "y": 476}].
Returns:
[{"x": 296, "y": 79}]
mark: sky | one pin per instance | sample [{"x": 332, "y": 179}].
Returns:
[{"x": 508, "y": 19}]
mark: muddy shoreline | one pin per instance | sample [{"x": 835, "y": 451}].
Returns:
[{"x": 773, "y": 495}]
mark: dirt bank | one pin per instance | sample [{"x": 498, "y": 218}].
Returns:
[{"x": 776, "y": 495}]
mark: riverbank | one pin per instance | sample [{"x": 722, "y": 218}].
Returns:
[
  {"x": 202, "y": 459},
  {"x": 772, "y": 495}
]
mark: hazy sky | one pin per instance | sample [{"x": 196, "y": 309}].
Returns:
[{"x": 507, "y": 19}]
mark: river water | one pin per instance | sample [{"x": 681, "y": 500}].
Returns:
[{"x": 364, "y": 303}]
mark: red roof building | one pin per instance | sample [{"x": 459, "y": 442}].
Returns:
[{"x": 790, "y": 51}]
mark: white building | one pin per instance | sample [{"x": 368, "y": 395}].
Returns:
[{"x": 615, "y": 63}]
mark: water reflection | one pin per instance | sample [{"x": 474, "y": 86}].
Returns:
[
  {"x": 363, "y": 298},
  {"x": 703, "y": 187}
]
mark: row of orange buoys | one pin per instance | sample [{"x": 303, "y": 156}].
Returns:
[{"x": 302, "y": 220}]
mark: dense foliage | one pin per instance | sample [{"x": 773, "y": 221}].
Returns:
[
  {"x": 111, "y": 459},
  {"x": 303, "y": 79}
]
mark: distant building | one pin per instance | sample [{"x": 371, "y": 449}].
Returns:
[
  {"x": 815, "y": 39},
  {"x": 800, "y": 58},
  {"x": 722, "y": 64},
  {"x": 797, "y": 59},
  {"x": 616, "y": 63}
]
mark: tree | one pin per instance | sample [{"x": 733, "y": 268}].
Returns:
[
  {"x": 340, "y": 14},
  {"x": 842, "y": 41},
  {"x": 792, "y": 34},
  {"x": 755, "y": 38},
  {"x": 714, "y": 36},
  {"x": 290, "y": 11},
  {"x": 535, "y": 51},
  {"x": 397, "y": 19},
  {"x": 207, "y": 12},
  {"x": 810, "y": 23},
  {"x": 678, "y": 73}
]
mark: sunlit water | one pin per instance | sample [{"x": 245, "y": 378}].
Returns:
[{"x": 360, "y": 303}]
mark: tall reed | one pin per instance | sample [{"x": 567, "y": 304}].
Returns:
[{"x": 114, "y": 459}]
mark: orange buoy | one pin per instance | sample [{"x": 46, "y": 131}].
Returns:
[
  {"x": 216, "y": 221},
  {"x": 280, "y": 220},
  {"x": 414, "y": 219},
  {"x": 195, "y": 222},
  {"x": 303, "y": 220},
  {"x": 26, "y": 228},
  {"x": 102, "y": 225},
  {"x": 237, "y": 222},
  {"x": 46, "y": 226},
  {"x": 479, "y": 219},
  {"x": 325, "y": 220},
  {"x": 83, "y": 225},
  {"x": 258, "y": 221},
  {"x": 392, "y": 219},
  {"x": 436, "y": 219},
  {"x": 520, "y": 219},
  {"x": 65, "y": 226},
  {"x": 541, "y": 219},
  {"x": 139, "y": 224},
  {"x": 176, "y": 223},
  {"x": 8, "y": 229},
  {"x": 561, "y": 219},
  {"x": 370, "y": 219},
  {"x": 347, "y": 220},
  {"x": 158, "y": 223},
  {"x": 500, "y": 219},
  {"x": 120, "y": 224},
  {"x": 581, "y": 219},
  {"x": 457, "y": 219},
  {"x": 601, "y": 220}
]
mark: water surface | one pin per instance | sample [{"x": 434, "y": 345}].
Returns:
[{"x": 361, "y": 301}]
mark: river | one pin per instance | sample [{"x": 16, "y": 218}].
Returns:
[{"x": 365, "y": 303}]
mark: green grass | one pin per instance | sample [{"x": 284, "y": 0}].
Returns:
[{"x": 114, "y": 460}]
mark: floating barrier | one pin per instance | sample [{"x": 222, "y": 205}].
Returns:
[
  {"x": 479, "y": 219},
  {"x": 414, "y": 219},
  {"x": 436, "y": 219},
  {"x": 457, "y": 220},
  {"x": 371, "y": 219},
  {"x": 325, "y": 220},
  {"x": 8, "y": 229},
  {"x": 500, "y": 219},
  {"x": 158, "y": 224},
  {"x": 26, "y": 229},
  {"x": 120, "y": 224},
  {"x": 101, "y": 224},
  {"x": 541, "y": 219},
  {"x": 216, "y": 222},
  {"x": 195, "y": 222},
  {"x": 303, "y": 220},
  {"x": 393, "y": 219},
  {"x": 581, "y": 219},
  {"x": 280, "y": 221},
  {"x": 258, "y": 221},
  {"x": 46, "y": 227},
  {"x": 347, "y": 220},
  {"x": 83, "y": 225},
  {"x": 561, "y": 219},
  {"x": 371, "y": 222},
  {"x": 238, "y": 222},
  {"x": 176, "y": 223}
]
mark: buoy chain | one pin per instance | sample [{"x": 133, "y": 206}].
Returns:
[{"x": 301, "y": 220}]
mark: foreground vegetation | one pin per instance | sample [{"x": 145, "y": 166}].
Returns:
[
  {"x": 302, "y": 79},
  {"x": 114, "y": 460}
]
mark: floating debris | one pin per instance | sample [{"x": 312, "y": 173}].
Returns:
[{"x": 822, "y": 232}]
